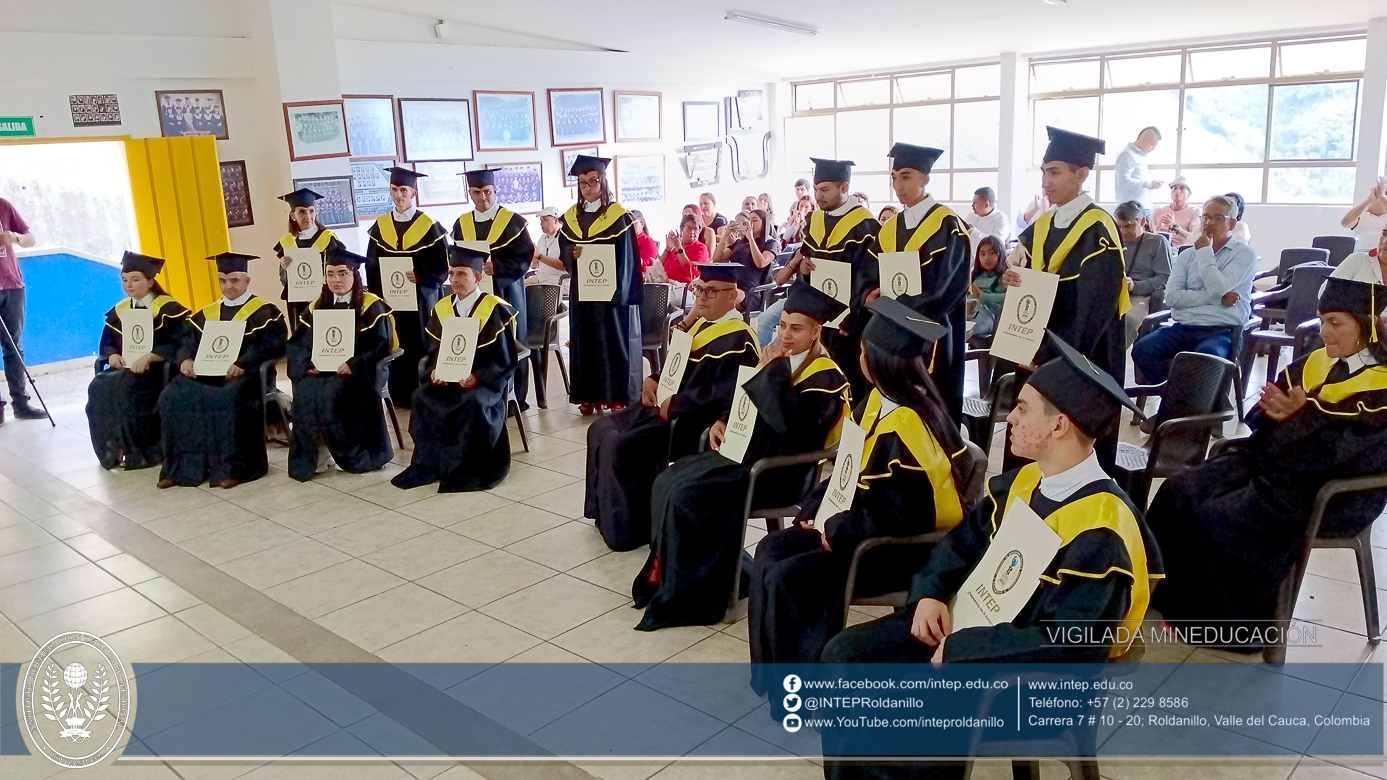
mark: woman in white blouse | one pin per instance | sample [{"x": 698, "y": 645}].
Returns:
[{"x": 1367, "y": 219}]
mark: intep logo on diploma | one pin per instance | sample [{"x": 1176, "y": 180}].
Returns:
[
  {"x": 1009, "y": 571},
  {"x": 1025, "y": 315}
]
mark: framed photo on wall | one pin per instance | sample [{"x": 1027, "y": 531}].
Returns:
[
  {"x": 371, "y": 187},
  {"x": 371, "y": 127},
  {"x": 702, "y": 163},
  {"x": 569, "y": 156},
  {"x": 702, "y": 121},
  {"x": 193, "y": 112},
  {"x": 317, "y": 130},
  {"x": 637, "y": 115},
  {"x": 640, "y": 179},
  {"x": 443, "y": 184},
  {"x": 236, "y": 193},
  {"x": 576, "y": 118},
  {"x": 520, "y": 186},
  {"x": 436, "y": 129},
  {"x": 337, "y": 207},
  {"x": 505, "y": 121}
]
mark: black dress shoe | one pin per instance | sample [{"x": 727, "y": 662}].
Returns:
[
  {"x": 23, "y": 411},
  {"x": 413, "y": 477},
  {"x": 165, "y": 483}
]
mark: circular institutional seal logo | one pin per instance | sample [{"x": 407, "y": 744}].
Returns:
[
  {"x": 899, "y": 284},
  {"x": 75, "y": 709},
  {"x": 848, "y": 474},
  {"x": 397, "y": 280},
  {"x": 1025, "y": 310},
  {"x": 137, "y": 333},
  {"x": 334, "y": 336},
  {"x": 830, "y": 288},
  {"x": 305, "y": 271},
  {"x": 220, "y": 343},
  {"x": 459, "y": 344},
  {"x": 744, "y": 408},
  {"x": 596, "y": 269},
  {"x": 1008, "y": 572},
  {"x": 673, "y": 369}
]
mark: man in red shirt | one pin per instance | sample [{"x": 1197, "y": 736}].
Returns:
[{"x": 14, "y": 233}]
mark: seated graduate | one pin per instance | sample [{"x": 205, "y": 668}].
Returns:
[
  {"x": 337, "y": 413},
  {"x": 123, "y": 403},
  {"x": 696, "y": 507},
  {"x": 912, "y": 473},
  {"x": 459, "y": 428},
  {"x": 213, "y": 426},
  {"x": 1232, "y": 528},
  {"x": 629, "y": 449}
]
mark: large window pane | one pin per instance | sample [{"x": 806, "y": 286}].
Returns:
[
  {"x": 1106, "y": 188},
  {"x": 1314, "y": 121},
  {"x": 1125, "y": 114},
  {"x": 931, "y": 86},
  {"x": 976, "y": 134},
  {"x": 965, "y": 184},
  {"x": 863, "y": 138},
  {"x": 877, "y": 188},
  {"x": 982, "y": 81},
  {"x": 1136, "y": 71},
  {"x": 1305, "y": 59},
  {"x": 74, "y": 195},
  {"x": 808, "y": 136},
  {"x": 1207, "y": 182},
  {"x": 1225, "y": 124},
  {"x": 866, "y": 93},
  {"x": 925, "y": 126},
  {"x": 1310, "y": 185},
  {"x": 1252, "y": 63},
  {"x": 809, "y": 97},
  {"x": 1079, "y": 115},
  {"x": 1063, "y": 76}
]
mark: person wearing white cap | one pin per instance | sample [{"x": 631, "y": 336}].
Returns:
[
  {"x": 1181, "y": 219},
  {"x": 547, "y": 263}
]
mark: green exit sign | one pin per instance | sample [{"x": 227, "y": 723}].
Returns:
[{"x": 16, "y": 127}]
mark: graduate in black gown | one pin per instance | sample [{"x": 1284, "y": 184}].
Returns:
[
  {"x": 459, "y": 428},
  {"x": 1232, "y": 528},
  {"x": 337, "y": 412},
  {"x": 1101, "y": 577},
  {"x": 941, "y": 238},
  {"x": 305, "y": 232},
  {"x": 912, "y": 474},
  {"x": 214, "y": 426},
  {"x": 408, "y": 232},
  {"x": 508, "y": 236},
  {"x": 696, "y": 507},
  {"x": 628, "y": 450},
  {"x": 606, "y": 351},
  {"x": 123, "y": 401}
]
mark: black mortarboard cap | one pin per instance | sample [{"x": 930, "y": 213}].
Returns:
[
  {"x": 900, "y": 330},
  {"x": 404, "y": 177},
  {"x": 231, "y": 262},
  {"x": 721, "y": 272},
  {"x": 1361, "y": 299},
  {"x": 804, "y": 298},
  {"x": 342, "y": 256},
  {"x": 301, "y": 197},
  {"x": 133, "y": 261},
  {"x": 920, "y": 158},
  {"x": 1088, "y": 394},
  {"x": 1073, "y": 148},
  {"x": 481, "y": 178},
  {"x": 470, "y": 256},
  {"x": 832, "y": 170},
  {"x": 584, "y": 163}
]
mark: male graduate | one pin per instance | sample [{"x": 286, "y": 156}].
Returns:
[
  {"x": 941, "y": 238},
  {"x": 459, "y": 428},
  {"x": 508, "y": 235},
  {"x": 628, "y": 450},
  {"x": 408, "y": 232},
  {"x": 841, "y": 229},
  {"x": 213, "y": 427}
]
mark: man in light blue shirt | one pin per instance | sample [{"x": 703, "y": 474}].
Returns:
[
  {"x": 1131, "y": 178},
  {"x": 1209, "y": 291}
]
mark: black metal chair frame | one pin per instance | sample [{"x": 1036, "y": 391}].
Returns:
[
  {"x": 1295, "y": 335},
  {"x": 269, "y": 393},
  {"x": 656, "y": 346},
  {"x": 383, "y": 390},
  {"x": 1000, "y": 399},
  {"x": 539, "y": 351}
]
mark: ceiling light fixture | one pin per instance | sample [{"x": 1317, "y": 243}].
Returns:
[
  {"x": 1054, "y": 2},
  {"x": 774, "y": 24}
]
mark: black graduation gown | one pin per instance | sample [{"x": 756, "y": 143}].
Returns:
[
  {"x": 628, "y": 450},
  {"x": 342, "y": 413},
  {"x": 696, "y": 504},
  {"x": 512, "y": 249},
  {"x": 606, "y": 353},
  {"x": 426, "y": 242},
  {"x": 942, "y": 241},
  {"x": 324, "y": 241},
  {"x": 850, "y": 238},
  {"x": 460, "y": 435},
  {"x": 214, "y": 427},
  {"x": 1232, "y": 528},
  {"x": 905, "y": 487},
  {"x": 122, "y": 406}
]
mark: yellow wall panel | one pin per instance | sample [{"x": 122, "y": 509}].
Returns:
[
  {"x": 209, "y": 181},
  {"x": 142, "y": 191}
]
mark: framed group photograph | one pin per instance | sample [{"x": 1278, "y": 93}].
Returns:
[
  {"x": 637, "y": 115},
  {"x": 336, "y": 207},
  {"x": 436, "y": 129},
  {"x": 317, "y": 130},
  {"x": 371, "y": 126},
  {"x": 236, "y": 193},
  {"x": 371, "y": 187},
  {"x": 576, "y": 118},
  {"x": 568, "y": 157},
  {"x": 640, "y": 179},
  {"x": 520, "y": 186},
  {"x": 442, "y": 183},
  {"x": 192, "y": 112},
  {"x": 702, "y": 121},
  {"x": 505, "y": 121}
]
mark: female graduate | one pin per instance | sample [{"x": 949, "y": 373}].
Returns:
[
  {"x": 305, "y": 232},
  {"x": 1232, "y": 528},
  {"x": 123, "y": 402},
  {"x": 800, "y": 397},
  {"x": 338, "y": 412},
  {"x": 913, "y": 470},
  {"x": 606, "y": 351}
]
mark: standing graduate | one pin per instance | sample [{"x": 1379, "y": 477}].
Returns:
[
  {"x": 911, "y": 477},
  {"x": 459, "y": 428},
  {"x": 123, "y": 402},
  {"x": 1233, "y": 527},
  {"x": 941, "y": 237},
  {"x": 840, "y": 229},
  {"x": 408, "y": 232},
  {"x": 628, "y": 450},
  {"x": 337, "y": 412},
  {"x": 606, "y": 351},
  {"x": 213, "y": 427},
  {"x": 512, "y": 249},
  {"x": 305, "y": 232},
  {"x": 696, "y": 507}
]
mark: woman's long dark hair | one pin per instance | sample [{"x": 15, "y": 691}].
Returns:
[
  {"x": 640, "y": 217},
  {"x": 907, "y": 382},
  {"x": 326, "y": 297},
  {"x": 1375, "y": 348},
  {"x": 158, "y": 289},
  {"x": 605, "y": 198},
  {"x": 294, "y": 226},
  {"x": 765, "y": 227},
  {"x": 996, "y": 244}
]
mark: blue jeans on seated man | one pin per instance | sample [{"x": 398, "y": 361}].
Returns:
[{"x": 1152, "y": 353}]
